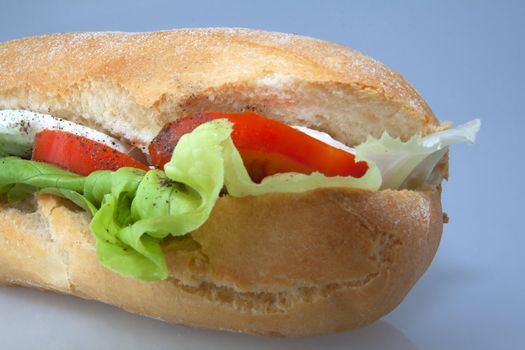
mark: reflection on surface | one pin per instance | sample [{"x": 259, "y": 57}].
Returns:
[
  {"x": 380, "y": 335},
  {"x": 86, "y": 324}
]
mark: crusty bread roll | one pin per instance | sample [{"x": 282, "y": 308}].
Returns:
[{"x": 318, "y": 262}]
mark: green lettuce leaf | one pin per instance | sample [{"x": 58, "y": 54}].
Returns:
[
  {"x": 134, "y": 210},
  {"x": 39, "y": 175},
  {"x": 239, "y": 183},
  {"x": 73, "y": 196},
  {"x": 137, "y": 211},
  {"x": 410, "y": 164},
  {"x": 19, "y": 192},
  {"x": 13, "y": 142}
]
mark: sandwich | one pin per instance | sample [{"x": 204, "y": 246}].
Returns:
[{"x": 232, "y": 179}]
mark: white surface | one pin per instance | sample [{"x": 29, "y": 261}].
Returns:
[{"x": 40, "y": 320}]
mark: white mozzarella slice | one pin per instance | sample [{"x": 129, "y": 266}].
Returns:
[
  {"x": 324, "y": 137},
  {"x": 18, "y": 129}
]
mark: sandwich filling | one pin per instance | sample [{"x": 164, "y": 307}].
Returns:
[{"x": 195, "y": 159}]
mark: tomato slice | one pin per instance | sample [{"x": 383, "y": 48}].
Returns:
[
  {"x": 162, "y": 146},
  {"x": 266, "y": 146},
  {"x": 79, "y": 154}
]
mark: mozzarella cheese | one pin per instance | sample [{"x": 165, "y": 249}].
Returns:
[
  {"x": 324, "y": 137},
  {"x": 18, "y": 129}
]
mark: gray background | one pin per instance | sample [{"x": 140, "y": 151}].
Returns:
[{"x": 466, "y": 59}]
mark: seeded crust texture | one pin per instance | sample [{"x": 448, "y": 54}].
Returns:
[{"x": 319, "y": 262}]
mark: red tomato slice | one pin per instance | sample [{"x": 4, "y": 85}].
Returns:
[
  {"x": 79, "y": 154},
  {"x": 266, "y": 146},
  {"x": 162, "y": 146}
]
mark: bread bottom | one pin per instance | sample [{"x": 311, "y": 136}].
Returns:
[{"x": 319, "y": 262}]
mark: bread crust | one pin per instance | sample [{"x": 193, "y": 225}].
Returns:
[
  {"x": 280, "y": 264},
  {"x": 126, "y": 82},
  {"x": 319, "y": 262}
]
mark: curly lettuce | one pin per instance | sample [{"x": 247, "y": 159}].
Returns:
[
  {"x": 410, "y": 164},
  {"x": 134, "y": 210}
]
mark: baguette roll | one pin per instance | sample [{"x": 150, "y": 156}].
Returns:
[{"x": 280, "y": 264}]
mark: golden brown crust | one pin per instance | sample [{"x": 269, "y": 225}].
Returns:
[
  {"x": 203, "y": 56},
  {"x": 280, "y": 264},
  {"x": 163, "y": 75}
]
